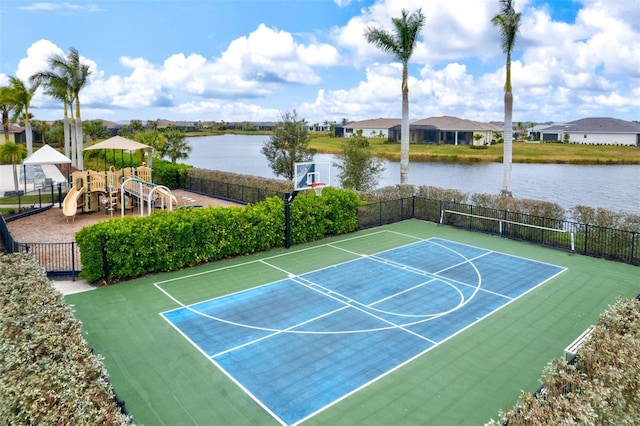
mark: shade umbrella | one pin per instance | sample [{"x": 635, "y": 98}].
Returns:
[
  {"x": 120, "y": 143},
  {"x": 45, "y": 155}
]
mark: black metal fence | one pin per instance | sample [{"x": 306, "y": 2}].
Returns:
[
  {"x": 589, "y": 240},
  {"x": 58, "y": 259},
  {"x": 63, "y": 259},
  {"x": 19, "y": 203},
  {"x": 229, "y": 191}
]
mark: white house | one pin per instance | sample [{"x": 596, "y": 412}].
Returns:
[
  {"x": 377, "y": 127},
  {"x": 594, "y": 131}
]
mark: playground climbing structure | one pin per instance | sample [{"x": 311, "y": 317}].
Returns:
[{"x": 116, "y": 189}]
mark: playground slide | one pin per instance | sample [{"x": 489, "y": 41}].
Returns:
[
  {"x": 70, "y": 203},
  {"x": 166, "y": 193}
]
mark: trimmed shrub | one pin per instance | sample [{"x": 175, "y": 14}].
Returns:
[
  {"x": 129, "y": 247},
  {"x": 48, "y": 374},
  {"x": 171, "y": 175}
]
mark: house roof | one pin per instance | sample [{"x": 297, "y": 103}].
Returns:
[
  {"x": 602, "y": 125},
  {"x": 375, "y": 123},
  {"x": 455, "y": 123}
]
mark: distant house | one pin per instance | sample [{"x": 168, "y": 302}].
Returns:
[
  {"x": 447, "y": 130},
  {"x": 112, "y": 126},
  {"x": 16, "y": 134},
  {"x": 594, "y": 131},
  {"x": 377, "y": 127}
]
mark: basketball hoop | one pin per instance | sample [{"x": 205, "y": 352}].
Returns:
[{"x": 318, "y": 187}]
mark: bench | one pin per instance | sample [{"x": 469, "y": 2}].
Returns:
[{"x": 571, "y": 350}]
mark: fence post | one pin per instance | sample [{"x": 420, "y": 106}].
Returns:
[
  {"x": 586, "y": 238},
  {"x": 413, "y": 207},
  {"x": 73, "y": 261}
]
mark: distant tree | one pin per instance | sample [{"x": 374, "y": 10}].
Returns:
[
  {"x": 288, "y": 145},
  {"x": 56, "y": 133},
  {"x": 359, "y": 169},
  {"x": 6, "y": 106},
  {"x": 22, "y": 95},
  {"x": 174, "y": 145},
  {"x": 41, "y": 127},
  {"x": 148, "y": 137},
  {"x": 400, "y": 44},
  {"x": 125, "y": 131},
  {"x": 508, "y": 22},
  {"x": 136, "y": 126},
  {"x": 152, "y": 125},
  {"x": 95, "y": 129},
  {"x": 13, "y": 153}
]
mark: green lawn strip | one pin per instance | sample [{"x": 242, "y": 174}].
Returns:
[
  {"x": 466, "y": 380},
  {"x": 522, "y": 152}
]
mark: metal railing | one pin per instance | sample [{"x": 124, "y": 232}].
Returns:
[
  {"x": 230, "y": 191},
  {"x": 585, "y": 239},
  {"x": 63, "y": 259}
]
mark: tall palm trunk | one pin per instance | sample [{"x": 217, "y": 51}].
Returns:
[
  {"x": 79, "y": 143},
  {"x": 404, "y": 139},
  {"x": 72, "y": 133},
  {"x": 15, "y": 176},
  {"x": 67, "y": 136},
  {"x": 29, "y": 135},
  {"x": 508, "y": 144}
]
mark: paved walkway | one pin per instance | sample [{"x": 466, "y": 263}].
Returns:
[{"x": 70, "y": 287}]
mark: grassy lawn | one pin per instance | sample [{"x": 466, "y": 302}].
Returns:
[{"x": 522, "y": 152}]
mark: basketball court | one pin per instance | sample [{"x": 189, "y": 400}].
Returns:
[
  {"x": 302, "y": 343},
  {"x": 400, "y": 324}
]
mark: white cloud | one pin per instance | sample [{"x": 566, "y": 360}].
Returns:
[
  {"x": 62, "y": 6},
  {"x": 560, "y": 69}
]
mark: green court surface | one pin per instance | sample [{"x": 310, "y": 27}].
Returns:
[{"x": 467, "y": 379}]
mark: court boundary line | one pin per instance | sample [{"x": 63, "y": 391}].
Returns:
[
  {"x": 292, "y": 277},
  {"x": 359, "y": 256}
]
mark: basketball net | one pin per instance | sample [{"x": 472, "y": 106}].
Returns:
[{"x": 318, "y": 187}]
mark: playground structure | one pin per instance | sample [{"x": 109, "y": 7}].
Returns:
[{"x": 116, "y": 189}]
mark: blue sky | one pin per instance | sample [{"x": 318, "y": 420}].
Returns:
[{"x": 238, "y": 60}]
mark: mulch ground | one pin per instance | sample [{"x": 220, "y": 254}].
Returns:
[{"x": 52, "y": 226}]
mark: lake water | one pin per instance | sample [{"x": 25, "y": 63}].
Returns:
[{"x": 612, "y": 187}]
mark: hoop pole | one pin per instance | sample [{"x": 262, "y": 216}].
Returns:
[{"x": 288, "y": 199}]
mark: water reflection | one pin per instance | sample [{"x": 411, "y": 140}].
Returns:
[{"x": 611, "y": 187}]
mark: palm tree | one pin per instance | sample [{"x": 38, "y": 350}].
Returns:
[
  {"x": 508, "y": 21},
  {"x": 76, "y": 74},
  {"x": 400, "y": 44},
  {"x": 174, "y": 145},
  {"x": 13, "y": 152},
  {"x": 41, "y": 127},
  {"x": 57, "y": 87},
  {"x": 6, "y": 106},
  {"x": 22, "y": 96}
]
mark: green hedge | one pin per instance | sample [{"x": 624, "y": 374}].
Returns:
[
  {"x": 48, "y": 375},
  {"x": 129, "y": 247}
]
